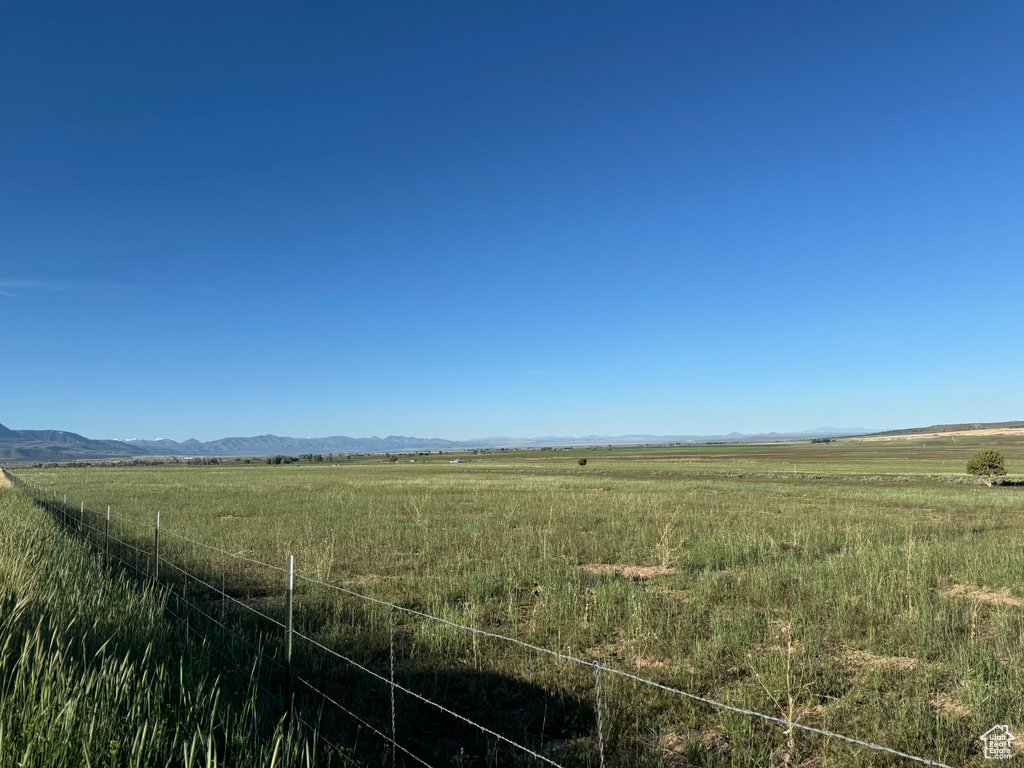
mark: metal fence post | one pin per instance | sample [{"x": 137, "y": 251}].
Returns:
[
  {"x": 394, "y": 743},
  {"x": 289, "y": 682},
  {"x": 223, "y": 589},
  {"x": 64, "y": 511},
  {"x": 156, "y": 550},
  {"x": 106, "y": 540},
  {"x": 81, "y": 518},
  {"x": 600, "y": 728}
]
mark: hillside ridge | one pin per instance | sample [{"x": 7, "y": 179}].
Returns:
[{"x": 941, "y": 428}]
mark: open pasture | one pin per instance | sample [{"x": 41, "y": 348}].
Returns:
[{"x": 858, "y": 587}]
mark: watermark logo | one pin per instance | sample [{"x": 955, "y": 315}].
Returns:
[{"x": 998, "y": 742}]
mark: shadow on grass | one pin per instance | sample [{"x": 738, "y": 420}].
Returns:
[{"x": 234, "y": 608}]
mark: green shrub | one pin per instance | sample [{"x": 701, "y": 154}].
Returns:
[{"x": 987, "y": 465}]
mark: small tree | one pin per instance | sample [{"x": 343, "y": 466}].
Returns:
[
  {"x": 581, "y": 462},
  {"x": 987, "y": 465}
]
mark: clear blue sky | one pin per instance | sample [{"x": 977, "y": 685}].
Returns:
[{"x": 467, "y": 219}]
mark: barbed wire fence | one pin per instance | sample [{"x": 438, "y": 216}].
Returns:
[{"x": 194, "y": 598}]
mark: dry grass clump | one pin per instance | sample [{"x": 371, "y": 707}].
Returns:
[
  {"x": 947, "y": 704},
  {"x": 860, "y": 660},
  {"x": 629, "y": 571},
  {"x": 984, "y": 595}
]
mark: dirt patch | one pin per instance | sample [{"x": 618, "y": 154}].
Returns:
[
  {"x": 944, "y": 704},
  {"x": 363, "y": 579},
  {"x": 865, "y": 660},
  {"x": 649, "y": 662},
  {"x": 984, "y": 595},
  {"x": 715, "y": 743},
  {"x": 675, "y": 750},
  {"x": 629, "y": 571},
  {"x": 619, "y": 651}
]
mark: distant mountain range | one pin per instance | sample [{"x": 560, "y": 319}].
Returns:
[{"x": 56, "y": 445}]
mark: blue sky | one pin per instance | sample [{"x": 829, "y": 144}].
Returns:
[{"x": 468, "y": 219}]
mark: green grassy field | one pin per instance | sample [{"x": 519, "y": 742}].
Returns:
[{"x": 859, "y": 587}]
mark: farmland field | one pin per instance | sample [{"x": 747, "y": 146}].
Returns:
[{"x": 865, "y": 588}]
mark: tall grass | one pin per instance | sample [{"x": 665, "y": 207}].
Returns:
[{"x": 92, "y": 673}]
